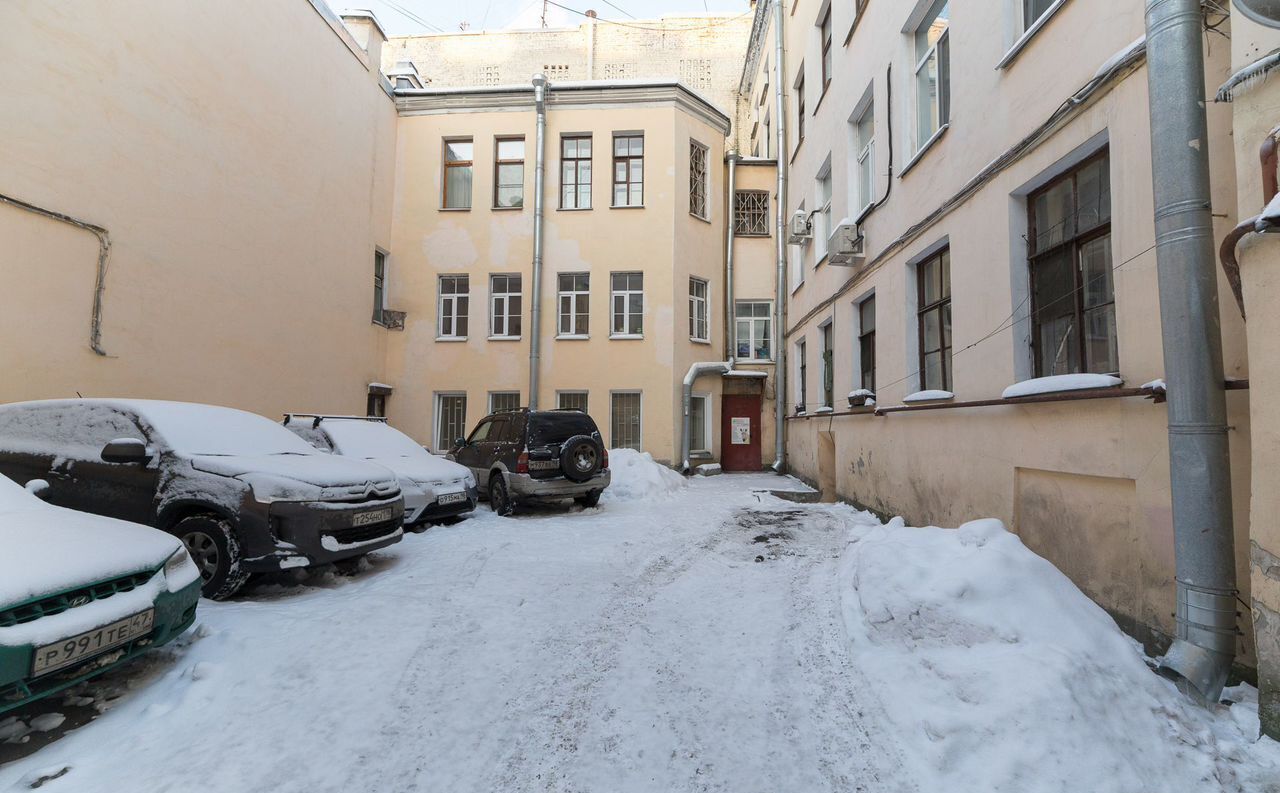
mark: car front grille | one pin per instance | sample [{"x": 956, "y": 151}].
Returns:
[
  {"x": 56, "y": 604},
  {"x": 357, "y": 534}
]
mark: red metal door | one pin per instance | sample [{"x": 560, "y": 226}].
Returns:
[{"x": 740, "y": 432}]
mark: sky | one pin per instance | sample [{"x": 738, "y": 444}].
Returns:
[{"x": 407, "y": 17}]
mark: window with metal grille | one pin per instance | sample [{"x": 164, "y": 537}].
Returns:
[
  {"x": 628, "y": 170},
  {"x": 698, "y": 180},
  {"x": 504, "y": 306},
  {"x": 451, "y": 420},
  {"x": 575, "y": 172},
  {"x": 933, "y": 73},
  {"x": 1072, "y": 291},
  {"x": 754, "y": 333},
  {"x": 698, "y": 330},
  {"x": 575, "y": 302},
  {"x": 508, "y": 177},
  {"x": 454, "y": 298},
  {"x": 828, "y": 367},
  {"x": 751, "y": 213},
  {"x": 458, "y": 164},
  {"x": 503, "y": 400},
  {"x": 379, "y": 285},
  {"x": 572, "y": 400},
  {"x": 867, "y": 343},
  {"x": 933, "y": 282},
  {"x": 802, "y": 377},
  {"x": 628, "y": 304},
  {"x": 699, "y": 424},
  {"x": 624, "y": 420}
]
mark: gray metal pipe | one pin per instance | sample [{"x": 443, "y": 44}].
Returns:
[
  {"x": 695, "y": 371},
  {"x": 1200, "y": 474},
  {"x": 731, "y": 306},
  {"x": 535, "y": 314},
  {"x": 780, "y": 201}
]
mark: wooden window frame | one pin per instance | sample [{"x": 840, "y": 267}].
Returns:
[
  {"x": 468, "y": 164},
  {"x": 576, "y": 183},
  {"x": 941, "y": 306},
  {"x": 573, "y": 314},
  {"x": 866, "y": 345},
  {"x": 498, "y": 162},
  {"x": 627, "y": 159}
]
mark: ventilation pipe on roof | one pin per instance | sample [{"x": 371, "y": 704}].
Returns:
[
  {"x": 780, "y": 289},
  {"x": 1200, "y": 473},
  {"x": 535, "y": 314}
]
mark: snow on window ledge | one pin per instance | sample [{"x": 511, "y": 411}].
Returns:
[
  {"x": 824, "y": 409},
  {"x": 1155, "y": 385},
  {"x": 928, "y": 396},
  {"x": 1060, "y": 383}
]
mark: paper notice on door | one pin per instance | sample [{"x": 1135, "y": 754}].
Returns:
[{"x": 740, "y": 431}]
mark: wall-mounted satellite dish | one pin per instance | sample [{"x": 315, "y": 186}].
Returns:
[{"x": 1264, "y": 12}]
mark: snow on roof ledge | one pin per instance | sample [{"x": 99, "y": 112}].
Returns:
[
  {"x": 928, "y": 396},
  {"x": 744, "y": 373},
  {"x": 1059, "y": 383}
]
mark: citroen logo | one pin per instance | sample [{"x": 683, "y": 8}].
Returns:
[{"x": 79, "y": 600}]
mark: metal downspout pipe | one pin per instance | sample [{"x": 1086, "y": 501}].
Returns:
[
  {"x": 1200, "y": 476},
  {"x": 731, "y": 305},
  {"x": 535, "y": 317},
  {"x": 779, "y": 304},
  {"x": 695, "y": 371}
]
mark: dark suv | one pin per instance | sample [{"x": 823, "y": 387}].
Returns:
[
  {"x": 536, "y": 455},
  {"x": 243, "y": 493}
]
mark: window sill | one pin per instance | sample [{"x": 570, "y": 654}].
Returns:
[
  {"x": 626, "y": 206},
  {"x": 700, "y": 217},
  {"x": 699, "y": 454},
  {"x": 573, "y": 209},
  {"x": 1025, "y": 38},
  {"x": 699, "y": 341},
  {"x": 503, "y": 338},
  {"x": 450, "y": 338},
  {"x": 925, "y": 149},
  {"x": 821, "y": 96},
  {"x": 821, "y": 260},
  {"x": 572, "y": 337},
  {"x": 507, "y": 209},
  {"x": 625, "y": 336},
  {"x": 797, "y": 287},
  {"x": 738, "y": 235},
  {"x": 755, "y": 361},
  {"x": 454, "y": 209}
]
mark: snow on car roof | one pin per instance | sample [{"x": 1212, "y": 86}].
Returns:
[{"x": 362, "y": 438}]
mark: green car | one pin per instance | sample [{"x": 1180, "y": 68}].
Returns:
[{"x": 81, "y": 594}]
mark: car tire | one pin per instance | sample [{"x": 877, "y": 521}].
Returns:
[
  {"x": 581, "y": 457},
  {"x": 212, "y": 543},
  {"x": 499, "y": 496},
  {"x": 589, "y": 500}
]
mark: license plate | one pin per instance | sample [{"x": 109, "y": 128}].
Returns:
[
  {"x": 451, "y": 498},
  {"x": 372, "y": 516},
  {"x": 52, "y": 657},
  {"x": 543, "y": 465}
]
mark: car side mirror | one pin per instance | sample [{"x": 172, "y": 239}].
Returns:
[
  {"x": 459, "y": 442},
  {"x": 125, "y": 450},
  {"x": 39, "y": 488}
]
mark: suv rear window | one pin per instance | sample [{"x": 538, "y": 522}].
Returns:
[{"x": 546, "y": 429}]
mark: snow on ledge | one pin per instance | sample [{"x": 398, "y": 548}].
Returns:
[
  {"x": 928, "y": 396},
  {"x": 1059, "y": 383},
  {"x": 824, "y": 409},
  {"x": 1155, "y": 385},
  {"x": 861, "y": 392}
]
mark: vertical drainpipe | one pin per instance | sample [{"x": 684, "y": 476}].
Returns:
[
  {"x": 779, "y": 304},
  {"x": 731, "y": 306},
  {"x": 535, "y": 318},
  {"x": 1200, "y": 476}
]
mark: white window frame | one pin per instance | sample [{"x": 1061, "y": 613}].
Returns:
[
  {"x": 640, "y": 431},
  {"x": 862, "y": 141},
  {"x": 822, "y": 191},
  {"x": 447, "y": 306},
  {"x": 625, "y": 293},
  {"x": 697, "y": 303},
  {"x": 500, "y": 314},
  {"x": 707, "y": 424},
  {"x": 436, "y": 424},
  {"x": 699, "y": 154},
  {"x": 751, "y": 335},
  {"x": 932, "y": 8},
  {"x": 560, "y": 395},
  {"x": 573, "y": 314}
]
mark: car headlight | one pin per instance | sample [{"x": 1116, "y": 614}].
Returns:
[
  {"x": 179, "y": 560},
  {"x": 469, "y": 480}
]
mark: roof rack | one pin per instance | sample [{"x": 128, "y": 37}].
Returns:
[{"x": 319, "y": 417}]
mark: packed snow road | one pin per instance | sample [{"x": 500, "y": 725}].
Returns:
[{"x": 710, "y": 638}]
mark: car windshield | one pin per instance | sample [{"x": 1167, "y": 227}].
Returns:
[
  {"x": 212, "y": 430},
  {"x": 546, "y": 429},
  {"x": 370, "y": 439}
]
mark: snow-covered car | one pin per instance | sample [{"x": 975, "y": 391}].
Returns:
[
  {"x": 80, "y": 594},
  {"x": 243, "y": 494},
  {"x": 434, "y": 488}
]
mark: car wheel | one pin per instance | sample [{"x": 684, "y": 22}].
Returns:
[
  {"x": 213, "y": 546},
  {"x": 499, "y": 498},
  {"x": 591, "y": 499}
]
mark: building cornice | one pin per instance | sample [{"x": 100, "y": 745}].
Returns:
[{"x": 755, "y": 45}]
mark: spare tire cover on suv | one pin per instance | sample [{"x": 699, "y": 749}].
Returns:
[{"x": 581, "y": 457}]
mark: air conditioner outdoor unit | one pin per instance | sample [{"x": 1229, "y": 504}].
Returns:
[
  {"x": 801, "y": 228},
  {"x": 847, "y": 247}
]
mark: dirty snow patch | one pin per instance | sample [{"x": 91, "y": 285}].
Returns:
[{"x": 636, "y": 477}]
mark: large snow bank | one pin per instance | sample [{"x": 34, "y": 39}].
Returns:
[
  {"x": 1055, "y": 384},
  {"x": 636, "y": 477},
  {"x": 999, "y": 674}
]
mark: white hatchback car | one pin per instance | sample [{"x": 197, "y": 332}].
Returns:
[{"x": 434, "y": 488}]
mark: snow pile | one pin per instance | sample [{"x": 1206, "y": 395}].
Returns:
[
  {"x": 999, "y": 674},
  {"x": 928, "y": 396},
  {"x": 1055, "y": 384},
  {"x": 636, "y": 477}
]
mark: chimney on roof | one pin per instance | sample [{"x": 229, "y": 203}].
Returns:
[
  {"x": 365, "y": 29},
  {"x": 591, "y": 13}
]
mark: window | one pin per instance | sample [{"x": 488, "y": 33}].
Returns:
[
  {"x": 824, "y": 29},
  {"x": 698, "y": 330},
  {"x": 575, "y": 300},
  {"x": 451, "y": 419},
  {"x": 802, "y": 377},
  {"x": 375, "y": 404},
  {"x": 624, "y": 420},
  {"x": 699, "y": 425},
  {"x": 572, "y": 400},
  {"x": 865, "y": 145},
  {"x": 822, "y": 218},
  {"x": 768, "y": 138},
  {"x": 828, "y": 366},
  {"x": 504, "y": 306},
  {"x": 1032, "y": 10},
  {"x": 867, "y": 343},
  {"x": 628, "y": 304},
  {"x": 1072, "y": 293},
  {"x": 379, "y": 285},
  {"x": 503, "y": 400},
  {"x": 575, "y": 172},
  {"x": 508, "y": 177},
  {"x": 800, "y": 107},
  {"x": 933, "y": 73},
  {"x": 698, "y": 180},
  {"x": 754, "y": 334},
  {"x": 628, "y": 170},
  {"x": 751, "y": 213},
  {"x": 457, "y": 173},
  {"x": 933, "y": 281},
  {"x": 454, "y": 297}
]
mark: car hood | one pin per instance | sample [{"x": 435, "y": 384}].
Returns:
[
  {"x": 49, "y": 549},
  {"x": 427, "y": 468},
  {"x": 320, "y": 470}
]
